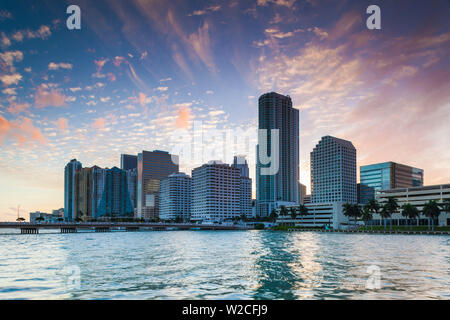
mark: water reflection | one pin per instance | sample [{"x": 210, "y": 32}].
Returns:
[{"x": 222, "y": 265}]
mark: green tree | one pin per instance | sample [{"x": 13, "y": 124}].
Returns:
[
  {"x": 348, "y": 210},
  {"x": 366, "y": 215},
  {"x": 389, "y": 208},
  {"x": 39, "y": 219},
  {"x": 273, "y": 215},
  {"x": 283, "y": 211},
  {"x": 293, "y": 212},
  {"x": 432, "y": 211},
  {"x": 409, "y": 211},
  {"x": 303, "y": 211}
]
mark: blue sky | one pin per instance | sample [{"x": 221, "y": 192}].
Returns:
[{"x": 138, "y": 71}]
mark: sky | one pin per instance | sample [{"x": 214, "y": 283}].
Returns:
[{"x": 144, "y": 75}]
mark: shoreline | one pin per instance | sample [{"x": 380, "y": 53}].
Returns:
[{"x": 371, "y": 231}]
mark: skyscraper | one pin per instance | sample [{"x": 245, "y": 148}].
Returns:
[
  {"x": 245, "y": 192},
  {"x": 132, "y": 186},
  {"x": 83, "y": 193},
  {"x": 386, "y": 176},
  {"x": 128, "y": 161},
  {"x": 333, "y": 171},
  {"x": 275, "y": 111},
  {"x": 69, "y": 189},
  {"x": 153, "y": 167},
  {"x": 215, "y": 192},
  {"x": 115, "y": 201},
  {"x": 176, "y": 197}
]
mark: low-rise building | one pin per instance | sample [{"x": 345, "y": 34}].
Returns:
[
  {"x": 416, "y": 196},
  {"x": 319, "y": 215}
]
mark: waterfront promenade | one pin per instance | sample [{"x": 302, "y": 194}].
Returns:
[{"x": 73, "y": 227}]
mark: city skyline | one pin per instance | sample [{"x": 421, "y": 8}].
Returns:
[{"x": 132, "y": 76}]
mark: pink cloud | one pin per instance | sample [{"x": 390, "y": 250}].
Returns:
[
  {"x": 99, "y": 123},
  {"x": 184, "y": 115},
  {"x": 22, "y": 131},
  {"x": 16, "y": 108},
  {"x": 46, "y": 98},
  {"x": 62, "y": 124}
]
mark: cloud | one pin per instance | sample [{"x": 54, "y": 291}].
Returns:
[
  {"x": 205, "y": 11},
  {"x": 46, "y": 98},
  {"x": 183, "y": 115},
  {"x": 61, "y": 65},
  {"x": 162, "y": 88},
  {"x": 44, "y": 32},
  {"x": 16, "y": 108},
  {"x": 99, "y": 123},
  {"x": 9, "y": 79},
  {"x": 22, "y": 131},
  {"x": 62, "y": 124},
  {"x": 6, "y": 42},
  {"x": 10, "y": 57},
  {"x": 9, "y": 91},
  {"x": 286, "y": 3},
  {"x": 320, "y": 33},
  {"x": 5, "y": 15}
]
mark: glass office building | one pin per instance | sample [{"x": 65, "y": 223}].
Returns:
[
  {"x": 69, "y": 189},
  {"x": 153, "y": 166},
  {"x": 386, "y": 176},
  {"x": 128, "y": 162},
  {"x": 275, "y": 111}
]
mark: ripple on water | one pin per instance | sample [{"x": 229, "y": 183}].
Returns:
[{"x": 223, "y": 265}]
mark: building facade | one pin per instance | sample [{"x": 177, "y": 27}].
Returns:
[
  {"x": 275, "y": 111},
  {"x": 215, "y": 192},
  {"x": 385, "y": 176},
  {"x": 333, "y": 171},
  {"x": 416, "y": 196},
  {"x": 245, "y": 191},
  {"x": 128, "y": 161},
  {"x": 115, "y": 201},
  {"x": 176, "y": 197},
  {"x": 153, "y": 167},
  {"x": 319, "y": 215},
  {"x": 69, "y": 189}
]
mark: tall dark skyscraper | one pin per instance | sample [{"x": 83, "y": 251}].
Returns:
[
  {"x": 275, "y": 111},
  {"x": 153, "y": 167},
  {"x": 128, "y": 161},
  {"x": 70, "y": 189}
]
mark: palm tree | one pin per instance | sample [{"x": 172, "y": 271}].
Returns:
[
  {"x": 409, "y": 211},
  {"x": 373, "y": 206},
  {"x": 384, "y": 213},
  {"x": 293, "y": 212},
  {"x": 432, "y": 211},
  {"x": 446, "y": 206},
  {"x": 273, "y": 215},
  {"x": 283, "y": 211},
  {"x": 348, "y": 210},
  {"x": 390, "y": 207},
  {"x": 20, "y": 219},
  {"x": 303, "y": 211},
  {"x": 367, "y": 215},
  {"x": 357, "y": 212}
]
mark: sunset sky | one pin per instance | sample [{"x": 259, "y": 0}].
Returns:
[{"x": 140, "y": 71}]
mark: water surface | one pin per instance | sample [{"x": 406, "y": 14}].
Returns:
[{"x": 224, "y": 265}]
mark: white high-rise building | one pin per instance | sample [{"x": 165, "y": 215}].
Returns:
[
  {"x": 175, "y": 197},
  {"x": 215, "y": 192},
  {"x": 333, "y": 171}
]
